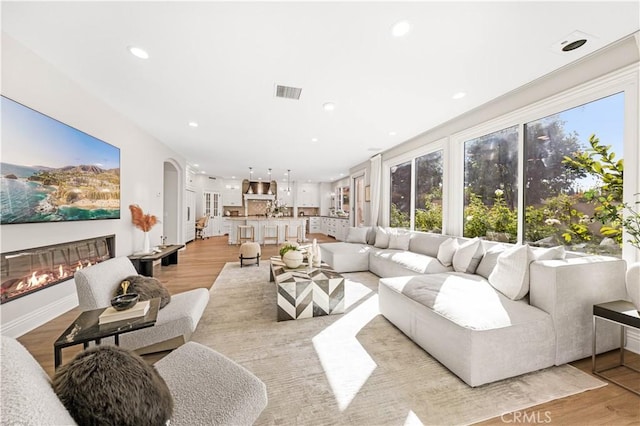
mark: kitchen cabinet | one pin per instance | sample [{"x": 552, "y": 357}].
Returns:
[
  {"x": 308, "y": 195},
  {"x": 315, "y": 225},
  {"x": 232, "y": 193}
]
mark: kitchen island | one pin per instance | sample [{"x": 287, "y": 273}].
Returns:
[{"x": 259, "y": 222}]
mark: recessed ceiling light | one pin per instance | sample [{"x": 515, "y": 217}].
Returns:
[
  {"x": 233, "y": 177},
  {"x": 193, "y": 124},
  {"x": 314, "y": 139},
  {"x": 195, "y": 165},
  {"x": 203, "y": 172},
  {"x": 392, "y": 133},
  {"x": 458, "y": 95},
  {"x": 400, "y": 29},
  {"x": 138, "y": 52},
  {"x": 329, "y": 106},
  {"x": 568, "y": 47}
]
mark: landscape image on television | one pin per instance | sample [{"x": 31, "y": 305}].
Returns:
[{"x": 51, "y": 172}]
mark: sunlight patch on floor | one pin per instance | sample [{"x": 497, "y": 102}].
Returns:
[
  {"x": 346, "y": 363},
  {"x": 412, "y": 420}
]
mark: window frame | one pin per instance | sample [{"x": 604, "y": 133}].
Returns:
[{"x": 624, "y": 80}]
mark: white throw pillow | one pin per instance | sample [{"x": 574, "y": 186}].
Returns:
[
  {"x": 399, "y": 240},
  {"x": 357, "y": 235},
  {"x": 446, "y": 250},
  {"x": 553, "y": 253},
  {"x": 382, "y": 238},
  {"x": 511, "y": 274},
  {"x": 467, "y": 256},
  {"x": 489, "y": 260}
]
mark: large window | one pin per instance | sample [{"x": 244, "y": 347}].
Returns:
[
  {"x": 565, "y": 203},
  {"x": 491, "y": 186},
  {"x": 400, "y": 214},
  {"x": 428, "y": 192}
]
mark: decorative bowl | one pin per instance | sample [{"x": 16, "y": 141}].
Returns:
[{"x": 124, "y": 301}]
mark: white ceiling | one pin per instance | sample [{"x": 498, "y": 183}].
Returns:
[{"x": 217, "y": 63}]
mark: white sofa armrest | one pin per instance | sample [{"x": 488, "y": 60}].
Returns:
[{"x": 567, "y": 290}]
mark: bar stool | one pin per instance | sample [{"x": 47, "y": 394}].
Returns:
[
  {"x": 270, "y": 233},
  {"x": 294, "y": 237},
  {"x": 245, "y": 234}
]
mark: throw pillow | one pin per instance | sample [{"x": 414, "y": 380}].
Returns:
[
  {"x": 511, "y": 273},
  {"x": 357, "y": 235},
  {"x": 147, "y": 287},
  {"x": 399, "y": 240},
  {"x": 446, "y": 250},
  {"x": 467, "y": 256},
  {"x": 553, "y": 253},
  {"x": 490, "y": 259},
  {"x": 382, "y": 238},
  {"x": 108, "y": 385},
  {"x": 371, "y": 235}
]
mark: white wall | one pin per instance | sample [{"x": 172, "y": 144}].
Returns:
[{"x": 31, "y": 81}]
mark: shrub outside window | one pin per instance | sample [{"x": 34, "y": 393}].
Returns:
[{"x": 491, "y": 186}]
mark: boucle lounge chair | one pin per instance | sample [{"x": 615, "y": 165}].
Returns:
[
  {"x": 207, "y": 388},
  {"x": 176, "y": 322}
]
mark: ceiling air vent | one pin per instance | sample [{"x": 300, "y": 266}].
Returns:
[{"x": 288, "y": 92}]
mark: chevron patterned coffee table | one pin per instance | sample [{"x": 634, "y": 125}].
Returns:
[{"x": 307, "y": 292}]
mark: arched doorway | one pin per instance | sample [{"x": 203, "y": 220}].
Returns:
[{"x": 171, "y": 219}]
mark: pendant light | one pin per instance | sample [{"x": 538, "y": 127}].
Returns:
[
  {"x": 288, "y": 181},
  {"x": 270, "y": 192},
  {"x": 250, "y": 191}
]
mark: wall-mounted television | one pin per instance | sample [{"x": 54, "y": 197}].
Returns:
[{"x": 52, "y": 172}]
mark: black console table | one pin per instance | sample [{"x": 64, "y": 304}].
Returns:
[{"x": 144, "y": 262}]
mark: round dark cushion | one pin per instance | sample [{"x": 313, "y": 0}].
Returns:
[{"x": 107, "y": 385}]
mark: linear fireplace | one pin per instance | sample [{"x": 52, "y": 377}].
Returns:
[{"x": 30, "y": 270}]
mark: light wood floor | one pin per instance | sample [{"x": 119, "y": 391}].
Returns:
[{"x": 202, "y": 261}]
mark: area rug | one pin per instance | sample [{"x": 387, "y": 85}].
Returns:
[{"x": 355, "y": 368}]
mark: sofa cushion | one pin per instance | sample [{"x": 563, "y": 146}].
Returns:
[
  {"x": 426, "y": 242},
  {"x": 467, "y": 256},
  {"x": 357, "y": 235},
  {"x": 112, "y": 386},
  {"x": 399, "y": 240},
  {"x": 382, "y": 238},
  {"x": 446, "y": 251},
  {"x": 388, "y": 263},
  {"x": 467, "y": 300},
  {"x": 346, "y": 257},
  {"x": 511, "y": 273}
]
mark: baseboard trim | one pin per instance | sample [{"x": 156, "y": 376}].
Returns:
[
  {"x": 34, "y": 319},
  {"x": 633, "y": 341}
]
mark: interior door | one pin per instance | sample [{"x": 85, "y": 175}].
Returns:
[{"x": 212, "y": 205}]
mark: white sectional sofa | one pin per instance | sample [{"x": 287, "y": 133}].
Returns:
[{"x": 485, "y": 322}]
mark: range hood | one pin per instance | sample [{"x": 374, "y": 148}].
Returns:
[{"x": 259, "y": 191}]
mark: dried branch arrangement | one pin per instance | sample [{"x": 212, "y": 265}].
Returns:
[{"x": 142, "y": 221}]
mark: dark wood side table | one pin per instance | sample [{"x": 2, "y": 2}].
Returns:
[
  {"x": 86, "y": 329},
  {"x": 624, "y": 314},
  {"x": 144, "y": 262}
]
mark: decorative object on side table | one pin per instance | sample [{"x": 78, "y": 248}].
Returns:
[
  {"x": 124, "y": 301},
  {"x": 144, "y": 222},
  {"x": 291, "y": 256},
  {"x": 631, "y": 225}
]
